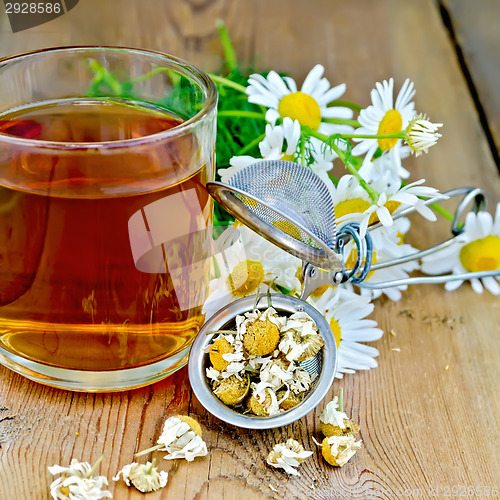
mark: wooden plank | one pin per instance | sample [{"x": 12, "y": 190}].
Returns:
[
  {"x": 478, "y": 38},
  {"x": 423, "y": 425}
]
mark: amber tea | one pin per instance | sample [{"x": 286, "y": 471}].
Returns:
[{"x": 102, "y": 250}]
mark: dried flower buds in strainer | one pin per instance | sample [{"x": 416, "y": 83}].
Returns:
[{"x": 256, "y": 367}]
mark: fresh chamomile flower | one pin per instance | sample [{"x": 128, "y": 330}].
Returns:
[
  {"x": 384, "y": 117},
  {"x": 309, "y": 105},
  {"x": 238, "y": 276},
  {"x": 77, "y": 482},
  {"x": 280, "y": 143},
  {"x": 388, "y": 244},
  {"x": 396, "y": 197},
  {"x": 421, "y": 134},
  {"x": 145, "y": 477},
  {"x": 476, "y": 249},
  {"x": 249, "y": 264},
  {"x": 346, "y": 313},
  {"x": 288, "y": 456},
  {"x": 384, "y": 169}
]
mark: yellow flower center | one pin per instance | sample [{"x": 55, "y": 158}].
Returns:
[
  {"x": 288, "y": 228},
  {"x": 352, "y": 206},
  {"x": 285, "y": 157},
  {"x": 334, "y": 325},
  {"x": 301, "y": 107},
  {"x": 245, "y": 278},
  {"x": 353, "y": 256},
  {"x": 481, "y": 255},
  {"x": 358, "y": 206},
  {"x": 391, "y": 123},
  {"x": 320, "y": 291}
]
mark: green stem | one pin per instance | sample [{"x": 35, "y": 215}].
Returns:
[
  {"x": 227, "y": 46},
  {"x": 226, "y": 82},
  {"x": 346, "y": 104},
  {"x": 250, "y": 145},
  {"x": 95, "y": 466},
  {"x": 150, "y": 74},
  {"x": 341, "y": 399},
  {"x": 371, "y": 192},
  {"x": 303, "y": 150},
  {"x": 340, "y": 121},
  {"x": 149, "y": 450},
  {"x": 441, "y": 211},
  {"x": 395, "y": 135},
  {"x": 242, "y": 113}
]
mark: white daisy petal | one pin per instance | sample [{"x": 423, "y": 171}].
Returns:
[{"x": 491, "y": 284}]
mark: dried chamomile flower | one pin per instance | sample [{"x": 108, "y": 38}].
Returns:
[
  {"x": 328, "y": 430},
  {"x": 260, "y": 331},
  {"x": 181, "y": 437},
  {"x": 145, "y": 477},
  {"x": 333, "y": 421},
  {"x": 181, "y": 440},
  {"x": 300, "y": 338},
  {"x": 288, "y": 456},
  {"x": 337, "y": 450},
  {"x": 217, "y": 351},
  {"x": 232, "y": 390},
  {"x": 263, "y": 401},
  {"x": 77, "y": 482},
  {"x": 288, "y": 400},
  {"x": 276, "y": 372},
  {"x": 301, "y": 381}
]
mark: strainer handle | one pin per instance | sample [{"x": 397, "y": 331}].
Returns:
[{"x": 314, "y": 278}]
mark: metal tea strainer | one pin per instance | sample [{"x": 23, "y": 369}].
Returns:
[{"x": 290, "y": 206}]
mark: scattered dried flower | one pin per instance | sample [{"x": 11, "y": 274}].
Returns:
[
  {"x": 333, "y": 421},
  {"x": 145, "y": 477},
  {"x": 337, "y": 450},
  {"x": 77, "y": 482},
  {"x": 288, "y": 456},
  {"x": 181, "y": 437}
]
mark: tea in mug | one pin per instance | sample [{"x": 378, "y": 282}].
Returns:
[{"x": 91, "y": 237}]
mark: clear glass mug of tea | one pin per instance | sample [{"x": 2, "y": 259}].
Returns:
[{"x": 105, "y": 222}]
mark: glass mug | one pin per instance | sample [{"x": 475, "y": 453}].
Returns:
[{"x": 105, "y": 222}]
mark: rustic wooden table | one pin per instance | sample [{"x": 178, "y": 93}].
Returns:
[{"x": 429, "y": 414}]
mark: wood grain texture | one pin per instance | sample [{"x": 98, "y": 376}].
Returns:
[
  {"x": 479, "y": 40},
  {"x": 429, "y": 412}
]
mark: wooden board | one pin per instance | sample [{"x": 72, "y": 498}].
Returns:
[
  {"x": 429, "y": 412},
  {"x": 478, "y": 41}
]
